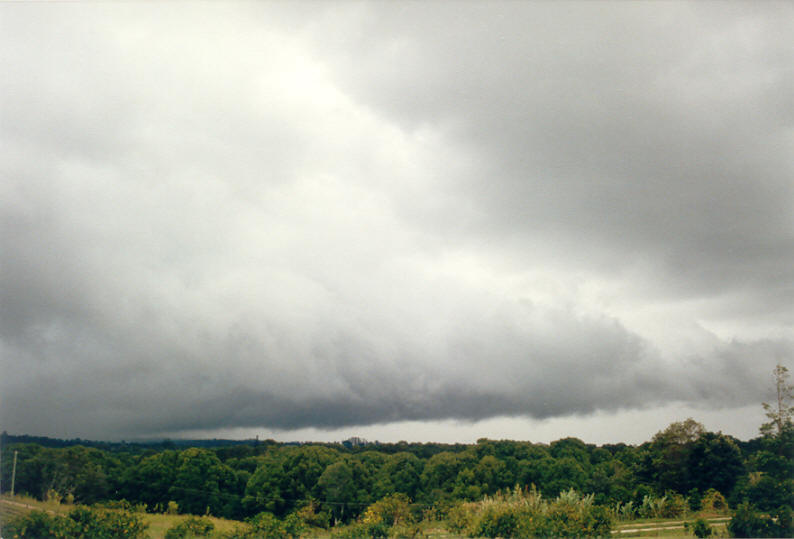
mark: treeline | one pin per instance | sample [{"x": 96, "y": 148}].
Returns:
[
  {"x": 124, "y": 446},
  {"x": 338, "y": 483}
]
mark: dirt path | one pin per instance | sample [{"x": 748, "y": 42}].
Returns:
[
  {"x": 673, "y": 525},
  {"x": 26, "y": 506}
]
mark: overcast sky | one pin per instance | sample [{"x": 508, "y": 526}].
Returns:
[{"x": 406, "y": 220}]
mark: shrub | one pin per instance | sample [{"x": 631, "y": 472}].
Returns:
[
  {"x": 39, "y": 524},
  {"x": 652, "y": 507},
  {"x": 693, "y": 499},
  {"x": 267, "y": 526},
  {"x": 391, "y": 510},
  {"x": 377, "y": 530},
  {"x": 460, "y": 517},
  {"x": 496, "y": 521},
  {"x": 310, "y": 515},
  {"x": 238, "y": 532},
  {"x": 389, "y": 516},
  {"x": 123, "y": 505},
  {"x": 785, "y": 521},
  {"x": 713, "y": 501},
  {"x": 294, "y": 526},
  {"x": 102, "y": 524},
  {"x": 700, "y": 528},
  {"x": 526, "y": 514},
  {"x": 52, "y": 496},
  {"x": 746, "y": 522},
  {"x": 81, "y": 523},
  {"x": 674, "y": 506},
  {"x": 191, "y": 527},
  {"x": 625, "y": 511},
  {"x": 173, "y": 508}
]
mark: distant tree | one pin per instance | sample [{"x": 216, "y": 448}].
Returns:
[
  {"x": 780, "y": 412},
  {"x": 571, "y": 447}
]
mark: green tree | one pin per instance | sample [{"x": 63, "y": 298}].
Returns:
[
  {"x": 263, "y": 493},
  {"x": 669, "y": 453},
  {"x": 492, "y": 474},
  {"x": 338, "y": 488},
  {"x": 714, "y": 461},
  {"x": 440, "y": 472},
  {"x": 401, "y": 472},
  {"x": 200, "y": 481},
  {"x": 149, "y": 480}
]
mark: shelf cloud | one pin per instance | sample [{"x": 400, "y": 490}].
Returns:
[{"x": 274, "y": 216}]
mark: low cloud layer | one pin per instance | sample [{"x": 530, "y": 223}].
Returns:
[{"x": 265, "y": 216}]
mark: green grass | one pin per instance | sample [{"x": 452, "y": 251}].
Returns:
[{"x": 159, "y": 524}]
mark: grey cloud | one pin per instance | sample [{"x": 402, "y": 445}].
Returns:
[
  {"x": 268, "y": 217},
  {"x": 655, "y": 132}
]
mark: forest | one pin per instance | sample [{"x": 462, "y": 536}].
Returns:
[{"x": 329, "y": 486}]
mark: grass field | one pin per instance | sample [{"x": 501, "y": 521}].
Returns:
[{"x": 158, "y": 523}]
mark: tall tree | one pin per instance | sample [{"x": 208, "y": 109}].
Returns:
[{"x": 779, "y": 413}]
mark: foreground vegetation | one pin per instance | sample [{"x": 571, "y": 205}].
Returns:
[{"x": 488, "y": 489}]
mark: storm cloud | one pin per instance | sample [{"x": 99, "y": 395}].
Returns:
[{"x": 330, "y": 215}]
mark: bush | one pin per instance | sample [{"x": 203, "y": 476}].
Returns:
[
  {"x": 391, "y": 510},
  {"x": 459, "y": 517},
  {"x": 528, "y": 515},
  {"x": 652, "y": 507},
  {"x": 785, "y": 521},
  {"x": 52, "y": 495},
  {"x": 294, "y": 526},
  {"x": 310, "y": 515},
  {"x": 104, "y": 524},
  {"x": 267, "y": 526},
  {"x": 746, "y": 522},
  {"x": 376, "y": 530},
  {"x": 81, "y": 523},
  {"x": 389, "y": 516},
  {"x": 674, "y": 506},
  {"x": 191, "y": 527},
  {"x": 123, "y": 505},
  {"x": 496, "y": 521},
  {"x": 700, "y": 528},
  {"x": 713, "y": 501},
  {"x": 693, "y": 499},
  {"x": 39, "y": 524},
  {"x": 625, "y": 511}
]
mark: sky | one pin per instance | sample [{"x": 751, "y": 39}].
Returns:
[{"x": 421, "y": 221}]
